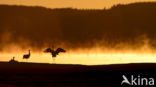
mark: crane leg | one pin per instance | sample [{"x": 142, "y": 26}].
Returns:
[{"x": 54, "y": 60}]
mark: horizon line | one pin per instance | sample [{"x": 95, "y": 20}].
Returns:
[{"x": 72, "y": 8}]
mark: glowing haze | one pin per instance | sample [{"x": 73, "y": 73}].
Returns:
[{"x": 92, "y": 56}]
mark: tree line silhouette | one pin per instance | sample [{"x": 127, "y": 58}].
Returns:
[{"x": 121, "y": 23}]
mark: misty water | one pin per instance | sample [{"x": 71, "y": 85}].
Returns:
[{"x": 85, "y": 59}]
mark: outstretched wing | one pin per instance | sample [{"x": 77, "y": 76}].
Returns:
[
  {"x": 48, "y": 50},
  {"x": 60, "y": 50}
]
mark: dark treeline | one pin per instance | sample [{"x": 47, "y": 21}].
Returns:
[{"x": 121, "y": 23}]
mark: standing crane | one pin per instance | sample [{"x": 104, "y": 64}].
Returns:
[{"x": 26, "y": 56}]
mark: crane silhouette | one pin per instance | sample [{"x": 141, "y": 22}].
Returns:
[
  {"x": 53, "y": 52},
  {"x": 13, "y": 60},
  {"x": 26, "y": 56}
]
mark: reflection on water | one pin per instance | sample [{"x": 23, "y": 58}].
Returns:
[{"x": 83, "y": 58}]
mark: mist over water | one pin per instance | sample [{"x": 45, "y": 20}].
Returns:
[{"x": 85, "y": 34}]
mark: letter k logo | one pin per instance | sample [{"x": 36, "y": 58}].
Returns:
[{"x": 125, "y": 80}]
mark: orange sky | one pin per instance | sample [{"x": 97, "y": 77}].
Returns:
[{"x": 98, "y": 4}]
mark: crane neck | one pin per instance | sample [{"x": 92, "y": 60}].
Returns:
[{"x": 29, "y": 52}]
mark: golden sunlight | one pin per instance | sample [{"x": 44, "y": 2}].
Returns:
[{"x": 84, "y": 58}]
